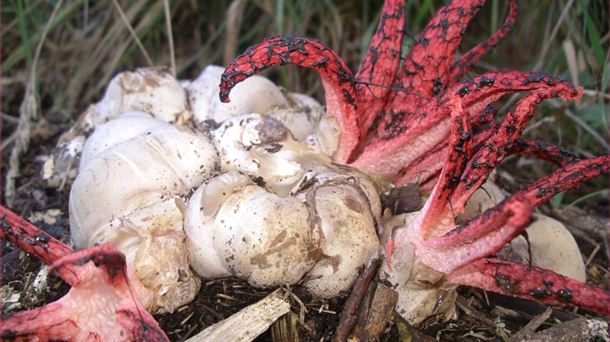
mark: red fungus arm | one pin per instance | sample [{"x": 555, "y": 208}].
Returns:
[
  {"x": 531, "y": 283},
  {"x": 402, "y": 139},
  {"x": 567, "y": 177},
  {"x": 427, "y": 64},
  {"x": 101, "y": 305},
  {"x": 506, "y": 136},
  {"x": 342, "y": 101},
  {"x": 35, "y": 241},
  {"x": 380, "y": 65},
  {"x": 542, "y": 150},
  {"x": 465, "y": 62}
]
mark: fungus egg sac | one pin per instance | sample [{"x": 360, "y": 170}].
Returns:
[{"x": 240, "y": 189}]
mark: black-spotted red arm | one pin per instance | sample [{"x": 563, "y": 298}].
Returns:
[
  {"x": 101, "y": 305},
  {"x": 426, "y": 122},
  {"x": 376, "y": 109},
  {"x": 342, "y": 101},
  {"x": 531, "y": 283},
  {"x": 461, "y": 250},
  {"x": 464, "y": 63},
  {"x": 377, "y": 73},
  {"x": 408, "y": 139},
  {"x": 425, "y": 70}
]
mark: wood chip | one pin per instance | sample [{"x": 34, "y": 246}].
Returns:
[
  {"x": 380, "y": 313},
  {"x": 532, "y": 326},
  {"x": 248, "y": 323},
  {"x": 580, "y": 329},
  {"x": 349, "y": 315}
]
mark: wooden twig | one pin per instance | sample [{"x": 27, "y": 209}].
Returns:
[
  {"x": 381, "y": 311},
  {"x": 349, "y": 315},
  {"x": 531, "y": 327}
]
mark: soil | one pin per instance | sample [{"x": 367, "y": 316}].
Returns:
[{"x": 479, "y": 315}]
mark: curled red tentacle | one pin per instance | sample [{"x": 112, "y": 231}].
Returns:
[
  {"x": 465, "y": 62},
  {"x": 481, "y": 236},
  {"x": 380, "y": 65},
  {"x": 507, "y": 134},
  {"x": 542, "y": 150},
  {"x": 566, "y": 177},
  {"x": 427, "y": 64},
  {"x": 532, "y": 283},
  {"x": 460, "y": 141},
  {"x": 101, "y": 305},
  {"x": 405, "y": 138},
  {"x": 342, "y": 101}
]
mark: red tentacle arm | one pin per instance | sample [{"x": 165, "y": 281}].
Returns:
[
  {"x": 482, "y": 236},
  {"x": 567, "y": 177},
  {"x": 36, "y": 242},
  {"x": 427, "y": 65},
  {"x": 507, "y": 134},
  {"x": 460, "y": 142},
  {"x": 380, "y": 65},
  {"x": 542, "y": 150},
  {"x": 403, "y": 139},
  {"x": 465, "y": 62},
  {"x": 342, "y": 101},
  {"x": 101, "y": 305},
  {"x": 532, "y": 283}
]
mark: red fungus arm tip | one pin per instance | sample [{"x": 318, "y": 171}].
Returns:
[
  {"x": 465, "y": 62},
  {"x": 378, "y": 69},
  {"x": 100, "y": 305},
  {"x": 531, "y": 283},
  {"x": 342, "y": 101}
]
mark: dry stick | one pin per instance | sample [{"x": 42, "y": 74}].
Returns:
[
  {"x": 349, "y": 315},
  {"x": 532, "y": 326},
  {"x": 28, "y": 111},
  {"x": 133, "y": 32},
  {"x": 380, "y": 313},
  {"x": 170, "y": 36}
]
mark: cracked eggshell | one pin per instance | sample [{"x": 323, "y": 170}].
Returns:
[
  {"x": 326, "y": 137},
  {"x": 257, "y": 235},
  {"x": 253, "y": 95},
  {"x": 348, "y": 237},
  {"x": 202, "y": 90},
  {"x": 301, "y": 116},
  {"x": 148, "y": 90},
  {"x": 256, "y": 94},
  {"x": 143, "y": 170},
  {"x": 153, "y": 241}
]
